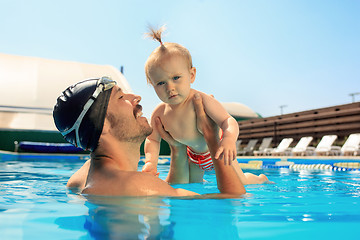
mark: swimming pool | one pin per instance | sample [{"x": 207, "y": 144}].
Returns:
[{"x": 303, "y": 204}]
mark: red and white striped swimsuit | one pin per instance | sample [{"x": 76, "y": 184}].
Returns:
[{"x": 202, "y": 159}]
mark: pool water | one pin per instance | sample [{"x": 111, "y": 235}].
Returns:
[{"x": 304, "y": 204}]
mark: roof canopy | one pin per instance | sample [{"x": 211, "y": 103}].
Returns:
[
  {"x": 239, "y": 111},
  {"x": 31, "y": 85}
]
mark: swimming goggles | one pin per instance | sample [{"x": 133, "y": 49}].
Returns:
[{"x": 103, "y": 84}]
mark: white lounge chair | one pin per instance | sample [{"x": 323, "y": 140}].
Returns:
[
  {"x": 264, "y": 147},
  {"x": 350, "y": 148},
  {"x": 302, "y": 147},
  {"x": 283, "y": 147},
  {"x": 248, "y": 150},
  {"x": 238, "y": 146},
  {"x": 324, "y": 146}
]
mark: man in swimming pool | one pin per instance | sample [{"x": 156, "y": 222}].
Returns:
[{"x": 97, "y": 115}]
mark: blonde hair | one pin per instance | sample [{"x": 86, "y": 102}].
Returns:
[{"x": 165, "y": 49}]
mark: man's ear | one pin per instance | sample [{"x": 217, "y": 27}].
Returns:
[
  {"x": 106, "y": 126},
  {"x": 192, "y": 74}
]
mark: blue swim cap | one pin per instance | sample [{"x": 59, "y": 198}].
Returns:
[{"x": 80, "y": 111}]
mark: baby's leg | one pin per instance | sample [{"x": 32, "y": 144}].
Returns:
[
  {"x": 196, "y": 175},
  {"x": 249, "y": 178}
]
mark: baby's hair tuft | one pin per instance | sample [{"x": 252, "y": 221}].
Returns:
[
  {"x": 156, "y": 34},
  {"x": 164, "y": 51}
]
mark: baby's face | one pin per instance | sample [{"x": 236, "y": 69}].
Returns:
[{"x": 172, "y": 78}]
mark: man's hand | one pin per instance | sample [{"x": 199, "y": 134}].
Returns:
[{"x": 164, "y": 134}]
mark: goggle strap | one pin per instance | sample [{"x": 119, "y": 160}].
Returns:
[{"x": 84, "y": 111}]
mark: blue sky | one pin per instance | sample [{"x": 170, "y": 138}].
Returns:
[{"x": 303, "y": 53}]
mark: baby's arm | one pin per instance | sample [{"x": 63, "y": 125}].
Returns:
[
  {"x": 152, "y": 148},
  {"x": 228, "y": 125}
]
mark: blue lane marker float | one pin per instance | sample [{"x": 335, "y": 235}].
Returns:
[
  {"x": 323, "y": 167},
  {"x": 274, "y": 166},
  {"x": 317, "y": 167}
]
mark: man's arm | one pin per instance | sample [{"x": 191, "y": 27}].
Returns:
[
  {"x": 227, "y": 180},
  {"x": 230, "y": 128}
]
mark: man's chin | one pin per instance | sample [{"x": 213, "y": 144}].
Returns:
[{"x": 148, "y": 131}]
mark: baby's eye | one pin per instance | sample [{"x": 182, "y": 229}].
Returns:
[
  {"x": 176, "y": 77},
  {"x": 160, "y": 83},
  {"x": 121, "y": 96}
]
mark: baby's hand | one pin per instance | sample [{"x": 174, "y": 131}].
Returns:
[
  {"x": 226, "y": 151},
  {"x": 150, "y": 168}
]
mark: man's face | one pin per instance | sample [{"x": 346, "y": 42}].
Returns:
[{"x": 125, "y": 116}]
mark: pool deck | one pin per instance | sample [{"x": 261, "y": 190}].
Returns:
[{"x": 11, "y": 156}]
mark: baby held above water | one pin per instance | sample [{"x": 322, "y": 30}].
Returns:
[{"x": 170, "y": 71}]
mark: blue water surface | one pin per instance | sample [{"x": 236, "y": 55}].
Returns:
[{"x": 306, "y": 204}]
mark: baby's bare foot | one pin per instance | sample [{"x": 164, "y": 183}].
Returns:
[{"x": 264, "y": 179}]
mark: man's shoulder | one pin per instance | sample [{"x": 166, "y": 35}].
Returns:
[
  {"x": 112, "y": 183},
  {"x": 145, "y": 184},
  {"x": 129, "y": 183},
  {"x": 132, "y": 183},
  {"x": 143, "y": 179},
  {"x": 78, "y": 179}
]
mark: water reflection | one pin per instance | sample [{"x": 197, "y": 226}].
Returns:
[
  {"x": 128, "y": 218},
  {"x": 156, "y": 218}
]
